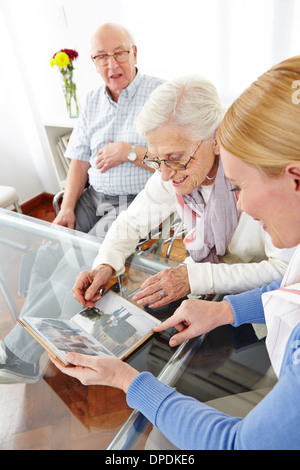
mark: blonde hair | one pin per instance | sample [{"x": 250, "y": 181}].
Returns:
[{"x": 262, "y": 127}]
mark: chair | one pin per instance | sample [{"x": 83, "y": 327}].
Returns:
[
  {"x": 57, "y": 200},
  {"x": 173, "y": 224},
  {"x": 168, "y": 231},
  {"x": 9, "y": 197}
]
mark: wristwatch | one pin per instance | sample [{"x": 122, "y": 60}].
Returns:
[{"x": 132, "y": 155}]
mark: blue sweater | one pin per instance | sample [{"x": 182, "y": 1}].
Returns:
[{"x": 272, "y": 424}]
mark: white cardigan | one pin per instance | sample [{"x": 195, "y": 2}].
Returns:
[{"x": 250, "y": 260}]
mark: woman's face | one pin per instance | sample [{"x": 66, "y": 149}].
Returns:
[
  {"x": 172, "y": 143},
  {"x": 274, "y": 201}
]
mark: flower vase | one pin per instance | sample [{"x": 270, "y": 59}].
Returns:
[
  {"x": 72, "y": 106},
  {"x": 64, "y": 61},
  {"x": 69, "y": 88}
]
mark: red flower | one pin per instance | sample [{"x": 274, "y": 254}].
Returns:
[{"x": 71, "y": 53}]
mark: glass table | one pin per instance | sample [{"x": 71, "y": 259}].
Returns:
[{"x": 41, "y": 408}]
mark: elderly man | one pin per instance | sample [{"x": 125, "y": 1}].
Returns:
[{"x": 105, "y": 148}]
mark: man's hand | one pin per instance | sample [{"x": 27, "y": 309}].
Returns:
[
  {"x": 196, "y": 317},
  {"x": 172, "y": 283},
  {"x": 112, "y": 154},
  {"x": 76, "y": 181},
  {"x": 66, "y": 218},
  {"x": 88, "y": 284}
]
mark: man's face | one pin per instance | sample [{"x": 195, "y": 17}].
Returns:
[{"x": 116, "y": 76}]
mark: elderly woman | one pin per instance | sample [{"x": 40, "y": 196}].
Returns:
[
  {"x": 229, "y": 251},
  {"x": 260, "y": 152}
]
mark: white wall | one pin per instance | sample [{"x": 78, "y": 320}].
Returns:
[{"x": 231, "y": 42}]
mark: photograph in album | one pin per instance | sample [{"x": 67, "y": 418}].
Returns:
[{"x": 114, "y": 327}]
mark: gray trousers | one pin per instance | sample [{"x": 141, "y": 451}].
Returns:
[
  {"x": 49, "y": 295},
  {"x": 95, "y": 212}
]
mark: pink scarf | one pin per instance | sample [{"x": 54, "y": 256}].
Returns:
[{"x": 210, "y": 226}]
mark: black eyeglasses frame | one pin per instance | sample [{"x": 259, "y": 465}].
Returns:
[
  {"x": 112, "y": 54},
  {"x": 156, "y": 163}
]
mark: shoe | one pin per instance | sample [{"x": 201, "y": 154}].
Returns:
[{"x": 14, "y": 370}]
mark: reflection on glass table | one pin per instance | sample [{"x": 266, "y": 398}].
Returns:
[
  {"x": 228, "y": 368},
  {"x": 39, "y": 263},
  {"x": 39, "y": 267}
]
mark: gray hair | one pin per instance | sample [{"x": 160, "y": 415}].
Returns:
[{"x": 191, "y": 102}]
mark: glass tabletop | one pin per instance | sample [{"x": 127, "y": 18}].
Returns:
[
  {"x": 42, "y": 408},
  {"x": 39, "y": 264}
]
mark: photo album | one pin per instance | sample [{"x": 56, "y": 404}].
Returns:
[{"x": 114, "y": 327}]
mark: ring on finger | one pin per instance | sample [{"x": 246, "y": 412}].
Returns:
[{"x": 161, "y": 293}]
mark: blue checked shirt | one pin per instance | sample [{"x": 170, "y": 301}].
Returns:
[{"x": 103, "y": 120}]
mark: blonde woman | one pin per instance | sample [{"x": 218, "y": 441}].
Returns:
[{"x": 260, "y": 151}]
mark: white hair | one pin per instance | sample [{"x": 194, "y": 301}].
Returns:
[{"x": 191, "y": 102}]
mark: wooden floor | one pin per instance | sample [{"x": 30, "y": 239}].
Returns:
[
  {"x": 58, "y": 412},
  {"x": 40, "y": 207}
]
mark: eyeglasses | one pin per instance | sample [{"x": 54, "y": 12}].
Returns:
[
  {"x": 119, "y": 56},
  {"x": 155, "y": 163}
]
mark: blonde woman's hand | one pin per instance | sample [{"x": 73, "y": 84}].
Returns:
[
  {"x": 196, "y": 317},
  {"x": 98, "y": 370}
]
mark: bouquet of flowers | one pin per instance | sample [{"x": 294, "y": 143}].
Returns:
[{"x": 64, "y": 61}]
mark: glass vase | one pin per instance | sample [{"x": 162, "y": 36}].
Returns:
[
  {"x": 69, "y": 88},
  {"x": 72, "y": 106}
]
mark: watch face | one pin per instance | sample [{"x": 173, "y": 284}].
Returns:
[{"x": 132, "y": 156}]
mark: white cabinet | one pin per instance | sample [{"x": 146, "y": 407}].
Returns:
[{"x": 57, "y": 135}]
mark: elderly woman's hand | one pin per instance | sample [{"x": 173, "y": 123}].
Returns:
[
  {"x": 88, "y": 284},
  {"x": 196, "y": 317},
  {"x": 164, "y": 287},
  {"x": 98, "y": 370}
]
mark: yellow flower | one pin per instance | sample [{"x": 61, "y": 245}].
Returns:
[
  {"x": 52, "y": 62},
  {"x": 62, "y": 59}
]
